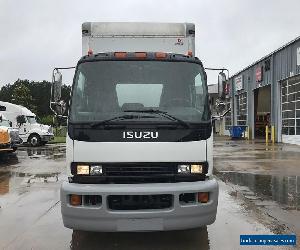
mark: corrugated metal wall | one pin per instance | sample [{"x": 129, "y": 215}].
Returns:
[{"x": 283, "y": 64}]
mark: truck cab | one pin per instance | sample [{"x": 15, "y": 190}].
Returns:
[
  {"x": 30, "y": 130},
  {"x": 139, "y": 140}
]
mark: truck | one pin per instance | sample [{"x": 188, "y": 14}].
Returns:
[
  {"x": 9, "y": 137},
  {"x": 139, "y": 144},
  {"x": 30, "y": 130}
]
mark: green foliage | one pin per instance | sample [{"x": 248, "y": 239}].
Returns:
[
  {"x": 48, "y": 120},
  {"x": 33, "y": 95}
]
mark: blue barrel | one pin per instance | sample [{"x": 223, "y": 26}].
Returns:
[{"x": 237, "y": 131}]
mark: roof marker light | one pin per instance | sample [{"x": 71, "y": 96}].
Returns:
[
  {"x": 120, "y": 54},
  {"x": 90, "y": 52},
  {"x": 160, "y": 55},
  {"x": 140, "y": 55}
]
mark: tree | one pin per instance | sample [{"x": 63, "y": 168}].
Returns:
[{"x": 21, "y": 95}]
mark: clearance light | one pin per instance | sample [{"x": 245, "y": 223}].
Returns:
[
  {"x": 90, "y": 52},
  {"x": 75, "y": 200},
  {"x": 120, "y": 54},
  {"x": 196, "y": 169},
  {"x": 83, "y": 169},
  {"x": 184, "y": 169},
  {"x": 160, "y": 55},
  {"x": 140, "y": 55},
  {"x": 190, "y": 53},
  {"x": 203, "y": 197},
  {"x": 96, "y": 170}
]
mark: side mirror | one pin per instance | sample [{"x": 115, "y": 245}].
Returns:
[
  {"x": 222, "y": 85},
  {"x": 56, "y": 86},
  {"x": 21, "y": 119},
  {"x": 60, "y": 107},
  {"x": 220, "y": 106},
  {"x": 2, "y": 108}
]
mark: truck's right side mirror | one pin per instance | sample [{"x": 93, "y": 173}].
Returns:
[{"x": 222, "y": 85}]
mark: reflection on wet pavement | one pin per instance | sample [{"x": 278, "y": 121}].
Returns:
[{"x": 283, "y": 189}]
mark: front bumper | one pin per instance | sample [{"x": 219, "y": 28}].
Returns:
[
  {"x": 177, "y": 217},
  {"x": 7, "y": 147}
]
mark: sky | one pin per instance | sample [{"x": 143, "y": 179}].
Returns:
[{"x": 38, "y": 35}]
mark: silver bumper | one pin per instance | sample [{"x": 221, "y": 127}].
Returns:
[{"x": 176, "y": 218}]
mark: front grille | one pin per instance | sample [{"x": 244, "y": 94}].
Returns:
[
  {"x": 139, "y": 202},
  {"x": 133, "y": 173}
]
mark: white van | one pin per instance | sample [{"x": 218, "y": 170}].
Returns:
[{"x": 29, "y": 129}]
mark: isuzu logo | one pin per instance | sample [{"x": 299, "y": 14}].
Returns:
[{"x": 140, "y": 135}]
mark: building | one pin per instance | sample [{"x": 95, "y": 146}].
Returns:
[{"x": 268, "y": 93}]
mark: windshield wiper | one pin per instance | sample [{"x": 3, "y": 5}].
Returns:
[
  {"x": 121, "y": 117},
  {"x": 161, "y": 113}
]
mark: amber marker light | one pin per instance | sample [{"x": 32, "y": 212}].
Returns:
[
  {"x": 75, "y": 200},
  {"x": 196, "y": 169},
  {"x": 140, "y": 55},
  {"x": 120, "y": 54},
  {"x": 83, "y": 169},
  {"x": 160, "y": 55},
  {"x": 203, "y": 197},
  {"x": 190, "y": 53}
]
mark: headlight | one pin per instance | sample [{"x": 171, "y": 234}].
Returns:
[
  {"x": 190, "y": 169},
  {"x": 184, "y": 169},
  {"x": 196, "y": 169},
  {"x": 83, "y": 169},
  {"x": 96, "y": 170}
]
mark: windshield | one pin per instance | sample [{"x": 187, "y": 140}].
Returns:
[
  {"x": 106, "y": 89},
  {"x": 31, "y": 119},
  {"x": 5, "y": 123}
]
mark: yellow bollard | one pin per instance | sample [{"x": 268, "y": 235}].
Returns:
[
  {"x": 273, "y": 134},
  {"x": 267, "y": 134}
]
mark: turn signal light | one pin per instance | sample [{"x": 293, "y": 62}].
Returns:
[
  {"x": 83, "y": 169},
  {"x": 196, "y": 169},
  {"x": 75, "y": 200},
  {"x": 190, "y": 53},
  {"x": 203, "y": 197}
]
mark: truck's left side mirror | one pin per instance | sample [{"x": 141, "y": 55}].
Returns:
[
  {"x": 56, "y": 86},
  {"x": 222, "y": 85},
  {"x": 57, "y": 105}
]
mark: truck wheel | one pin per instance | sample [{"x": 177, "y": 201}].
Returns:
[{"x": 34, "y": 140}]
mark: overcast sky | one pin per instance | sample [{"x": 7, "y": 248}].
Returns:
[{"x": 37, "y": 35}]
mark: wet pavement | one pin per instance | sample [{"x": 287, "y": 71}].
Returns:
[{"x": 259, "y": 194}]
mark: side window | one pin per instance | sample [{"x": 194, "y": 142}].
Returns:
[
  {"x": 199, "y": 91},
  {"x": 79, "y": 99}
]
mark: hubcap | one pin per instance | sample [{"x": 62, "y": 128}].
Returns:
[{"x": 34, "y": 141}]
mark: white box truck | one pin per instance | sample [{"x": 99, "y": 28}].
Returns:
[
  {"x": 30, "y": 130},
  {"x": 139, "y": 141}
]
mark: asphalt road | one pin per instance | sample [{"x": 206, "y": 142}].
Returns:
[{"x": 30, "y": 209}]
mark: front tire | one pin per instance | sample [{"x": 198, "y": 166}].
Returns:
[{"x": 34, "y": 140}]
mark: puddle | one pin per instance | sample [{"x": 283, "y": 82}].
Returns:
[{"x": 284, "y": 190}]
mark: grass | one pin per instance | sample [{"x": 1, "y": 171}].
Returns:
[{"x": 58, "y": 139}]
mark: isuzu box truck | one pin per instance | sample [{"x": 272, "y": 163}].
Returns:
[{"x": 139, "y": 141}]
